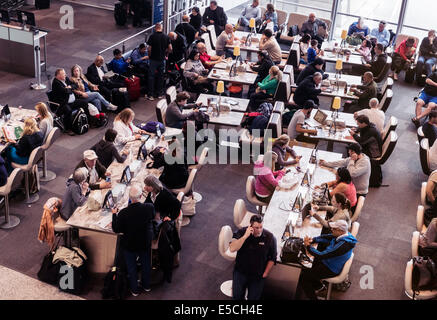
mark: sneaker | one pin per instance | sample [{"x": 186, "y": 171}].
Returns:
[
  {"x": 395, "y": 76},
  {"x": 321, "y": 291},
  {"x": 151, "y": 98},
  {"x": 161, "y": 96},
  {"x": 112, "y": 107},
  {"x": 416, "y": 122},
  {"x": 134, "y": 294},
  {"x": 146, "y": 289}
]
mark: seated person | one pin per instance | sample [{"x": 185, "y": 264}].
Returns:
[
  {"x": 262, "y": 66},
  {"x": 3, "y": 172},
  {"x": 343, "y": 184},
  {"x": 368, "y": 137},
  {"x": 62, "y": 94},
  {"x": 270, "y": 18},
  {"x": 281, "y": 148},
  {"x": 207, "y": 61},
  {"x": 174, "y": 117},
  {"x": 365, "y": 92},
  {"x": 428, "y": 96},
  {"x": 376, "y": 116},
  {"x": 266, "y": 178},
  {"x": 427, "y": 55},
  {"x": 179, "y": 48},
  {"x": 295, "y": 128},
  {"x": 312, "y": 27},
  {"x": 140, "y": 59},
  {"x": 309, "y": 89},
  {"x": 106, "y": 150},
  {"x": 175, "y": 176},
  {"x": 126, "y": 130},
  {"x": 433, "y": 157},
  {"x": 96, "y": 171},
  {"x": 251, "y": 11},
  {"x": 429, "y": 128},
  {"x": 330, "y": 262},
  {"x": 196, "y": 74},
  {"x": 381, "y": 34},
  {"x": 266, "y": 88},
  {"x": 167, "y": 206},
  {"x": 338, "y": 210},
  {"x": 313, "y": 51},
  {"x": 304, "y": 44},
  {"x": 377, "y": 64},
  {"x": 187, "y": 30},
  {"x": 227, "y": 37},
  {"x": 19, "y": 152},
  {"x": 358, "y": 27},
  {"x": 403, "y": 56},
  {"x": 268, "y": 42},
  {"x": 358, "y": 165},
  {"x": 45, "y": 119},
  {"x": 312, "y": 68},
  {"x": 84, "y": 88},
  {"x": 76, "y": 194},
  {"x": 365, "y": 50},
  {"x": 428, "y": 241},
  {"x": 431, "y": 187},
  {"x": 118, "y": 64}
]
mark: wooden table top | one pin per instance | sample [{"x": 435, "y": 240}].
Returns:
[
  {"x": 240, "y": 107},
  {"x": 275, "y": 218},
  {"x": 246, "y": 78}
]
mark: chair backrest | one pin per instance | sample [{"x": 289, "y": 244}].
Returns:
[
  {"x": 161, "y": 109},
  {"x": 208, "y": 46},
  {"x": 390, "y": 126},
  {"x": 34, "y": 157},
  {"x": 275, "y": 125},
  {"x": 282, "y": 17},
  {"x": 239, "y": 212},
  {"x": 180, "y": 197},
  {"x": 288, "y": 69},
  {"x": 250, "y": 187},
  {"x": 424, "y": 156},
  {"x": 419, "y": 217},
  {"x": 296, "y": 18},
  {"x": 294, "y": 56},
  {"x": 225, "y": 237},
  {"x": 190, "y": 181},
  {"x": 283, "y": 90},
  {"x": 358, "y": 209},
  {"x": 388, "y": 84},
  {"x": 53, "y": 135},
  {"x": 14, "y": 180},
  {"x": 212, "y": 35},
  {"x": 346, "y": 268},
  {"x": 279, "y": 107},
  {"x": 355, "y": 228},
  {"x": 383, "y": 75},
  {"x": 386, "y": 100},
  {"x": 401, "y": 37},
  {"x": 388, "y": 147},
  {"x": 203, "y": 155},
  {"x": 170, "y": 94},
  {"x": 420, "y": 134}
]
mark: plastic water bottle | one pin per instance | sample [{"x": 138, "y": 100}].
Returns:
[{"x": 158, "y": 131}]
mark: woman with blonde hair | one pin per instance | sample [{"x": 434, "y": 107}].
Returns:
[
  {"x": 45, "y": 119},
  {"x": 281, "y": 148},
  {"x": 19, "y": 152},
  {"x": 126, "y": 130},
  {"x": 266, "y": 178},
  {"x": 87, "y": 91},
  {"x": 266, "y": 88}
]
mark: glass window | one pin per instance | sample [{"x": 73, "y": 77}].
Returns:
[
  {"x": 294, "y": 6},
  {"x": 420, "y": 14}
]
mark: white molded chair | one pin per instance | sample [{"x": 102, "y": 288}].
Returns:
[
  {"x": 202, "y": 160},
  {"x": 34, "y": 158},
  {"x": 420, "y": 295},
  {"x": 423, "y": 194},
  {"x": 241, "y": 215},
  {"x": 13, "y": 181},
  {"x": 47, "y": 175},
  {"x": 225, "y": 237},
  {"x": 212, "y": 35},
  {"x": 250, "y": 194},
  {"x": 419, "y": 219},
  {"x": 354, "y": 228},
  {"x": 187, "y": 190},
  {"x": 415, "y": 244},
  {"x": 359, "y": 208},
  {"x": 170, "y": 94},
  {"x": 341, "y": 277}
]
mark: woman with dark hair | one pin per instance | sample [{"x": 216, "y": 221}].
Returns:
[
  {"x": 339, "y": 210},
  {"x": 344, "y": 185},
  {"x": 270, "y": 18},
  {"x": 106, "y": 150},
  {"x": 366, "y": 50},
  {"x": 175, "y": 175},
  {"x": 195, "y": 73},
  {"x": 196, "y": 18},
  {"x": 166, "y": 204},
  {"x": 304, "y": 44}
]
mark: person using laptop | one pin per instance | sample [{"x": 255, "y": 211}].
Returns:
[{"x": 295, "y": 128}]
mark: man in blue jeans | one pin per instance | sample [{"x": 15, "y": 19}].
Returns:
[
  {"x": 427, "y": 55},
  {"x": 256, "y": 254},
  {"x": 135, "y": 224},
  {"x": 159, "y": 47}
]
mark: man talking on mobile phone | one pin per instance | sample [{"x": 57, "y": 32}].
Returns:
[{"x": 256, "y": 254}]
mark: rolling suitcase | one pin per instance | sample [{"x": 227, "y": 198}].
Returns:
[
  {"x": 120, "y": 14},
  {"x": 409, "y": 75},
  {"x": 120, "y": 99},
  {"x": 133, "y": 88}
]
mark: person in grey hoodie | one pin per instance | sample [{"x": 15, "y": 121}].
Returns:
[
  {"x": 358, "y": 165},
  {"x": 76, "y": 194},
  {"x": 106, "y": 150}
]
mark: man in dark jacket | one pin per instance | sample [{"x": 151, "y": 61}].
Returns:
[
  {"x": 368, "y": 137},
  {"x": 179, "y": 47},
  {"x": 186, "y": 29},
  {"x": 96, "y": 170},
  {"x": 316, "y": 28},
  {"x": 215, "y": 15},
  {"x": 262, "y": 66},
  {"x": 427, "y": 54},
  {"x": 313, "y": 67},
  {"x": 135, "y": 224},
  {"x": 429, "y": 128},
  {"x": 106, "y": 150},
  {"x": 309, "y": 89},
  {"x": 96, "y": 74},
  {"x": 329, "y": 262},
  {"x": 378, "y": 63},
  {"x": 364, "y": 92}
]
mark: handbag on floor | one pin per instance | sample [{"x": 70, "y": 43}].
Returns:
[
  {"x": 115, "y": 285},
  {"x": 49, "y": 271}
]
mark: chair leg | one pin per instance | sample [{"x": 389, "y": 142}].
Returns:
[
  {"x": 328, "y": 295},
  {"x": 29, "y": 198},
  {"x": 226, "y": 288},
  {"x": 185, "y": 221},
  {"x": 46, "y": 175},
  {"x": 9, "y": 221},
  {"x": 196, "y": 196}
]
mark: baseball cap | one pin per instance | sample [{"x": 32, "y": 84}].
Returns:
[
  {"x": 89, "y": 155},
  {"x": 355, "y": 147},
  {"x": 340, "y": 225}
]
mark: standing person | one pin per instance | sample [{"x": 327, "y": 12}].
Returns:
[
  {"x": 358, "y": 165},
  {"x": 186, "y": 29},
  {"x": 403, "y": 56},
  {"x": 381, "y": 34},
  {"x": 266, "y": 88},
  {"x": 281, "y": 148},
  {"x": 269, "y": 43},
  {"x": 227, "y": 37},
  {"x": 76, "y": 194},
  {"x": 196, "y": 18},
  {"x": 256, "y": 255},
  {"x": 135, "y": 224},
  {"x": 364, "y": 92},
  {"x": 45, "y": 119},
  {"x": 106, "y": 150},
  {"x": 312, "y": 27},
  {"x": 295, "y": 128},
  {"x": 427, "y": 97},
  {"x": 159, "y": 46},
  {"x": 376, "y": 116},
  {"x": 215, "y": 15},
  {"x": 179, "y": 48},
  {"x": 167, "y": 206},
  {"x": 427, "y": 55},
  {"x": 251, "y": 11}
]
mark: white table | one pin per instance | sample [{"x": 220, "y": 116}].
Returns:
[
  {"x": 330, "y": 46},
  {"x": 240, "y": 107},
  {"x": 353, "y": 59},
  {"x": 246, "y": 78}
]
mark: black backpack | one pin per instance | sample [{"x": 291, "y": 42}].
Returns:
[
  {"x": 292, "y": 249},
  {"x": 115, "y": 284},
  {"x": 293, "y": 31},
  {"x": 80, "y": 122},
  {"x": 158, "y": 158}
]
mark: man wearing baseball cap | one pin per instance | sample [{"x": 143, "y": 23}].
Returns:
[
  {"x": 329, "y": 262},
  {"x": 96, "y": 170},
  {"x": 381, "y": 34}
]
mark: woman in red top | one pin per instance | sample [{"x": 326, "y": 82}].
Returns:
[
  {"x": 343, "y": 184},
  {"x": 403, "y": 56}
]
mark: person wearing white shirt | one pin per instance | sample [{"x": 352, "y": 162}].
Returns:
[
  {"x": 376, "y": 116},
  {"x": 381, "y": 34},
  {"x": 126, "y": 130}
]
